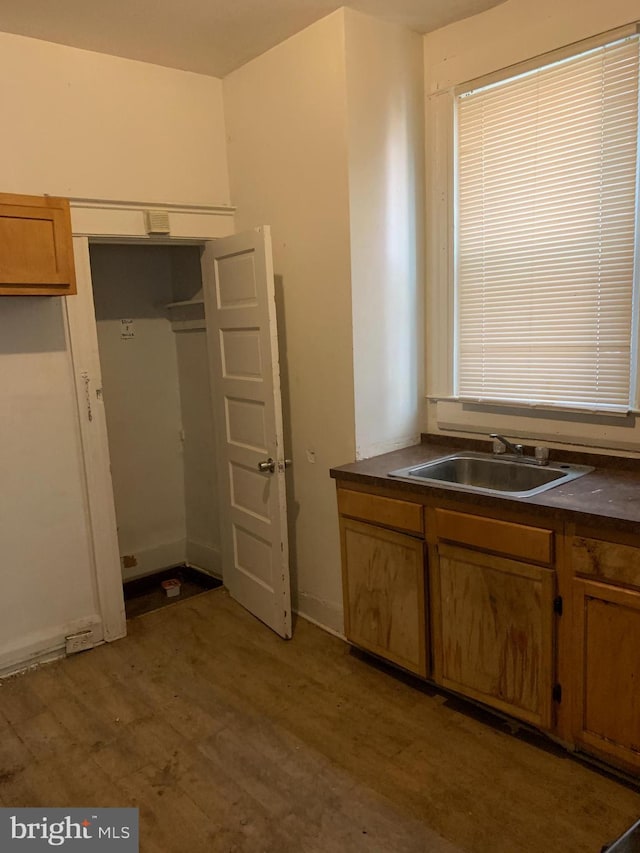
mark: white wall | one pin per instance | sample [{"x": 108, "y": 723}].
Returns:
[
  {"x": 84, "y": 125},
  {"x": 87, "y": 125},
  {"x": 325, "y": 145},
  {"x": 142, "y": 403},
  {"x": 200, "y": 465},
  {"x": 200, "y": 472},
  {"x": 513, "y": 32},
  {"x": 286, "y": 123},
  {"x": 158, "y": 407},
  {"x": 385, "y": 120},
  {"x": 202, "y": 504},
  {"x": 47, "y": 584}
]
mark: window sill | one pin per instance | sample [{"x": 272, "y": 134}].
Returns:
[
  {"x": 599, "y": 430},
  {"x": 547, "y": 409}
]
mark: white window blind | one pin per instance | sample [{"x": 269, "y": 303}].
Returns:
[{"x": 546, "y": 182}]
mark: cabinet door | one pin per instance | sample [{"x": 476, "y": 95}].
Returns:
[
  {"x": 607, "y": 643},
  {"x": 495, "y": 642},
  {"x": 384, "y": 593},
  {"x": 36, "y": 247}
]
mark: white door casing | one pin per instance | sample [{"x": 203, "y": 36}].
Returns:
[
  {"x": 121, "y": 223},
  {"x": 101, "y": 514},
  {"x": 243, "y": 350},
  {"x": 268, "y": 594}
]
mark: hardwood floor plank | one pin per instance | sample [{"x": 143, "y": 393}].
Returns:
[
  {"x": 18, "y": 701},
  {"x": 169, "y": 817},
  {"x": 150, "y": 740},
  {"x": 229, "y": 739},
  {"x": 14, "y": 757}
]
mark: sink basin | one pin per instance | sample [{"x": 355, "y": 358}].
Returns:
[{"x": 495, "y": 475}]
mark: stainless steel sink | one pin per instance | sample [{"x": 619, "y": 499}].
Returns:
[{"x": 494, "y": 475}]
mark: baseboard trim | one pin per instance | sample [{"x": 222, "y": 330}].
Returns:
[
  {"x": 206, "y": 558},
  {"x": 324, "y": 614},
  {"x": 315, "y": 622},
  {"x": 46, "y": 646}
]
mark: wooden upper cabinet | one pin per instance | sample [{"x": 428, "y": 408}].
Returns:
[{"x": 36, "y": 246}]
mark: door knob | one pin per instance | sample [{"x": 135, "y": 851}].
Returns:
[{"x": 267, "y": 467}]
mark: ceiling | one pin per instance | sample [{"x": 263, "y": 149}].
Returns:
[{"x": 207, "y": 36}]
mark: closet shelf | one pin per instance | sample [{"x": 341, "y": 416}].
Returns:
[{"x": 185, "y": 302}]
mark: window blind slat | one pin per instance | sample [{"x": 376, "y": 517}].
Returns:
[{"x": 546, "y": 175}]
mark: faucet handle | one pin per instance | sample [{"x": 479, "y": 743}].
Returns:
[
  {"x": 541, "y": 455},
  {"x": 516, "y": 449}
]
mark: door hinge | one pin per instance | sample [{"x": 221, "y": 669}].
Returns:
[
  {"x": 557, "y": 693},
  {"x": 557, "y": 605}
]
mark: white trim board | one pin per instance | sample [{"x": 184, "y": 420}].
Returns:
[
  {"x": 324, "y": 614},
  {"x": 121, "y": 221},
  {"x": 101, "y": 513},
  {"x": 41, "y": 647}
]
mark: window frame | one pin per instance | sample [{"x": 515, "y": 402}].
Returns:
[{"x": 445, "y": 411}]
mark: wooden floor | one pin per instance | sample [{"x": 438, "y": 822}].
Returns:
[{"x": 230, "y": 739}]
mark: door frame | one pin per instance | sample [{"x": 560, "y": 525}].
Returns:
[{"x": 96, "y": 221}]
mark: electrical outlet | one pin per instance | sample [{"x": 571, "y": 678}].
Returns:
[{"x": 79, "y": 642}]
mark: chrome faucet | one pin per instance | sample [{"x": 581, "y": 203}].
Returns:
[{"x": 516, "y": 449}]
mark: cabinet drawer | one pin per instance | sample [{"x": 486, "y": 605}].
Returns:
[
  {"x": 606, "y": 560},
  {"x": 532, "y": 544},
  {"x": 389, "y": 512}
]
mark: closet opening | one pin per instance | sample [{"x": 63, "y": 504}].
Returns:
[{"x": 152, "y": 341}]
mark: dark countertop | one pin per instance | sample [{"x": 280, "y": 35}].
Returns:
[{"x": 609, "y": 495}]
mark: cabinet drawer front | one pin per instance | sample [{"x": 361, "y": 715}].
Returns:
[
  {"x": 532, "y": 544},
  {"x": 390, "y": 512},
  {"x": 607, "y": 560}
]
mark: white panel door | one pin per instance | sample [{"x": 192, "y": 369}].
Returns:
[{"x": 245, "y": 371}]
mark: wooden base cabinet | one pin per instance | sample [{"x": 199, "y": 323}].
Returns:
[
  {"x": 384, "y": 593},
  {"x": 607, "y": 687},
  {"x": 534, "y": 616},
  {"x": 494, "y": 627}
]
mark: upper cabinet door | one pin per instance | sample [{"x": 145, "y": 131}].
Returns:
[
  {"x": 243, "y": 346},
  {"x": 36, "y": 247}
]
